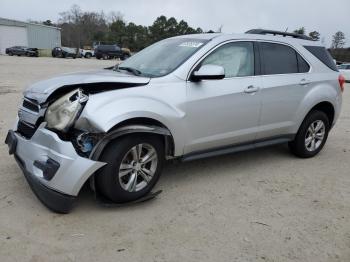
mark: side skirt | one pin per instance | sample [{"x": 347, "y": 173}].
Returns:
[{"x": 237, "y": 148}]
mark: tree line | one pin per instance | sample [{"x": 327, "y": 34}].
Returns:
[
  {"x": 338, "y": 39},
  {"x": 80, "y": 28}
]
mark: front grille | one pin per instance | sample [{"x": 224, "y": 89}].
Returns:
[
  {"x": 25, "y": 129},
  {"x": 31, "y": 105}
]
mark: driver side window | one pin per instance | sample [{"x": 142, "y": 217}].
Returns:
[{"x": 236, "y": 58}]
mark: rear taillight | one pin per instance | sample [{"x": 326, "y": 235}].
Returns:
[{"x": 341, "y": 82}]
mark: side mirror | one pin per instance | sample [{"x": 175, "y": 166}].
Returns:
[{"x": 209, "y": 72}]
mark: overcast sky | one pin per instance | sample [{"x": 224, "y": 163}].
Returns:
[{"x": 325, "y": 16}]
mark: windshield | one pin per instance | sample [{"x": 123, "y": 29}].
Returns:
[{"x": 163, "y": 57}]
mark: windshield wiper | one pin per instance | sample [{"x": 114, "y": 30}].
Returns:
[{"x": 129, "y": 69}]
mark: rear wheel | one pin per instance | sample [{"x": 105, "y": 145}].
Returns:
[
  {"x": 88, "y": 55},
  {"x": 134, "y": 165},
  {"x": 105, "y": 56},
  {"x": 10, "y": 54},
  {"x": 312, "y": 135}
]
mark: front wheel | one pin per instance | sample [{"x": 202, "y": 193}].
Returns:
[
  {"x": 134, "y": 165},
  {"x": 312, "y": 135}
]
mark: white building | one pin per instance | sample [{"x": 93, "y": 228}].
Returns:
[{"x": 17, "y": 33}]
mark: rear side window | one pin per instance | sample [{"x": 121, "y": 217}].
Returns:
[
  {"x": 278, "y": 59},
  {"x": 281, "y": 59},
  {"x": 323, "y": 55}
]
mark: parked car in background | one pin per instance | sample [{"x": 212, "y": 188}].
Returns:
[
  {"x": 22, "y": 50},
  {"x": 111, "y": 51},
  {"x": 345, "y": 70},
  {"x": 86, "y": 53},
  {"x": 64, "y": 52}
]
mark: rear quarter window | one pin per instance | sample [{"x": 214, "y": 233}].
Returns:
[
  {"x": 302, "y": 65},
  {"x": 323, "y": 55}
]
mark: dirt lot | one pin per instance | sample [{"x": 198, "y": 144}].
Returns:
[{"x": 263, "y": 205}]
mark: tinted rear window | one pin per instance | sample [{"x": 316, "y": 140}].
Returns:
[
  {"x": 323, "y": 55},
  {"x": 278, "y": 59}
]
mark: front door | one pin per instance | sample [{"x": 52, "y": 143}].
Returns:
[{"x": 224, "y": 112}]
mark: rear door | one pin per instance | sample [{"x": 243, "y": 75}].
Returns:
[
  {"x": 286, "y": 80},
  {"x": 116, "y": 51}
]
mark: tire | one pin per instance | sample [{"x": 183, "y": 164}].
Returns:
[
  {"x": 308, "y": 142},
  {"x": 10, "y": 54},
  {"x": 109, "y": 180},
  {"x": 28, "y": 54},
  {"x": 105, "y": 57},
  {"x": 88, "y": 55}
]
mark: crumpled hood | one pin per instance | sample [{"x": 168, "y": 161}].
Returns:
[{"x": 41, "y": 90}]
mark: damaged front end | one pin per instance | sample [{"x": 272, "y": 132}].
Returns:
[
  {"x": 56, "y": 146},
  {"x": 54, "y": 155},
  {"x": 42, "y": 143}
]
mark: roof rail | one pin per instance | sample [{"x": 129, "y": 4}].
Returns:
[{"x": 272, "y": 32}]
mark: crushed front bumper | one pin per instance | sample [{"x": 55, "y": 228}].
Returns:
[{"x": 51, "y": 166}]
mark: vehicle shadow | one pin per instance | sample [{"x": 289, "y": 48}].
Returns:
[{"x": 177, "y": 174}]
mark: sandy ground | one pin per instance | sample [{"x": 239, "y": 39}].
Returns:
[{"x": 263, "y": 205}]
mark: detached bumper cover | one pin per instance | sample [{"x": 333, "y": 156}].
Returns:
[
  {"x": 59, "y": 192},
  {"x": 53, "y": 200}
]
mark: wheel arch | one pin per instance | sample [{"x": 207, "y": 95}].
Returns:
[
  {"x": 324, "y": 106},
  {"x": 142, "y": 125},
  {"x": 134, "y": 125},
  {"x": 327, "y": 108}
]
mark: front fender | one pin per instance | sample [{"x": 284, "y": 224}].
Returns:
[{"x": 102, "y": 113}]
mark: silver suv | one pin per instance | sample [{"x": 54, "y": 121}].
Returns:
[{"x": 187, "y": 97}]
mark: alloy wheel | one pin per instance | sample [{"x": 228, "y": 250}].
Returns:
[
  {"x": 315, "y": 135},
  {"x": 138, "y": 167}
]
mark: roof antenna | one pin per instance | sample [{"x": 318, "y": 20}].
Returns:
[{"x": 286, "y": 30}]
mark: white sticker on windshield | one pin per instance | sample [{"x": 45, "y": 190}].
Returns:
[{"x": 191, "y": 44}]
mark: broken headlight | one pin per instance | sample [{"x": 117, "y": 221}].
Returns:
[{"x": 62, "y": 114}]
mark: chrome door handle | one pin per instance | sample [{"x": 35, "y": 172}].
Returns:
[
  {"x": 251, "y": 89},
  {"x": 304, "y": 82}
]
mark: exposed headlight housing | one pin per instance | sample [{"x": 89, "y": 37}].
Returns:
[{"x": 62, "y": 114}]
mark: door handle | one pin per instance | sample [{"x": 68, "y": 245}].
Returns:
[
  {"x": 304, "y": 82},
  {"x": 251, "y": 89}
]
